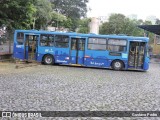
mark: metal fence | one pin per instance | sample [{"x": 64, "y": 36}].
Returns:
[{"x": 6, "y": 44}]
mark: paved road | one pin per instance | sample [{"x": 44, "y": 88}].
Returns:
[{"x": 53, "y": 88}]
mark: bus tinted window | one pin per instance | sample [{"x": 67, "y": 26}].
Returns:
[
  {"x": 81, "y": 44},
  {"x": 97, "y": 44},
  {"x": 117, "y": 45},
  {"x": 77, "y": 44},
  {"x": 96, "y": 47},
  {"x": 97, "y": 40},
  {"x": 61, "y": 41},
  {"x": 20, "y": 38},
  {"x": 47, "y": 40},
  {"x": 116, "y": 48},
  {"x": 117, "y": 42}
]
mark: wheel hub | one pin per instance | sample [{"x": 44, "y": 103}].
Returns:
[
  {"x": 117, "y": 65},
  {"x": 48, "y": 60}
]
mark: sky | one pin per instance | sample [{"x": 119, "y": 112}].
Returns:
[{"x": 142, "y": 8}]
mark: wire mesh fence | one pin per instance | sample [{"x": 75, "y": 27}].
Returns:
[{"x": 6, "y": 44}]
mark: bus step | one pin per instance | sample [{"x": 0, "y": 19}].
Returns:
[
  {"x": 137, "y": 69},
  {"x": 75, "y": 64}
]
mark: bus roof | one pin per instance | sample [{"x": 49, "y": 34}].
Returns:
[{"x": 130, "y": 38}]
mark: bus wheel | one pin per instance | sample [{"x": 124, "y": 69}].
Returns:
[
  {"x": 48, "y": 60},
  {"x": 117, "y": 65}
]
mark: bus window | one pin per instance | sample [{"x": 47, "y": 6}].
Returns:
[
  {"x": 117, "y": 45},
  {"x": 20, "y": 38},
  {"x": 81, "y": 44},
  {"x": 47, "y": 40},
  {"x": 73, "y": 44},
  {"x": 97, "y": 44},
  {"x": 61, "y": 41}
]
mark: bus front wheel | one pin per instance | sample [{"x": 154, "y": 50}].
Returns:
[
  {"x": 117, "y": 65},
  {"x": 48, "y": 60}
]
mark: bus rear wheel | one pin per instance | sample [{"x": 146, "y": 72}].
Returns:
[
  {"x": 117, "y": 65},
  {"x": 48, "y": 60}
]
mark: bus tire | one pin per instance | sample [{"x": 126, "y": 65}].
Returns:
[
  {"x": 117, "y": 65},
  {"x": 48, "y": 60}
]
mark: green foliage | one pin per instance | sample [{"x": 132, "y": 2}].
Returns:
[
  {"x": 22, "y": 14},
  {"x": 59, "y": 20},
  {"x": 38, "y": 14},
  {"x": 67, "y": 23},
  {"x": 43, "y": 13},
  {"x": 72, "y": 9},
  {"x": 16, "y": 13},
  {"x": 58, "y": 16},
  {"x": 119, "y": 24},
  {"x": 84, "y": 25}
]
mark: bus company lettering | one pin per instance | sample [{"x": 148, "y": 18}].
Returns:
[
  {"x": 144, "y": 115},
  {"x": 48, "y": 50},
  {"x": 18, "y": 46},
  {"x": 62, "y": 61},
  {"x": 96, "y": 63},
  {"x": 26, "y": 115}
]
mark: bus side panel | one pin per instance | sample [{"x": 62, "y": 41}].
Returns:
[
  {"x": 96, "y": 58},
  {"x": 81, "y": 57},
  {"x": 42, "y": 50},
  {"x": 18, "y": 51},
  {"x": 39, "y": 57},
  {"x": 95, "y": 62},
  {"x": 112, "y": 58},
  {"x": 62, "y": 55},
  {"x": 146, "y": 63},
  {"x": 73, "y": 56}
]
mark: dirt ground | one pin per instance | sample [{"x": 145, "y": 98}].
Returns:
[{"x": 12, "y": 67}]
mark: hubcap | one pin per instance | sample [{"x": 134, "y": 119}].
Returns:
[
  {"x": 48, "y": 60},
  {"x": 117, "y": 64}
]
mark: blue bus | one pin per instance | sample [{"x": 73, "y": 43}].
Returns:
[{"x": 118, "y": 52}]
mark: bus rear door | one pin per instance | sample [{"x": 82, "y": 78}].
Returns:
[
  {"x": 136, "y": 55},
  {"x": 18, "y": 51},
  {"x": 31, "y": 46},
  {"x": 77, "y": 50}
]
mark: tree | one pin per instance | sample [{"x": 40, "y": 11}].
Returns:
[
  {"x": 16, "y": 13},
  {"x": 72, "y": 9},
  {"x": 119, "y": 24},
  {"x": 25, "y": 14},
  {"x": 43, "y": 14},
  {"x": 58, "y": 20},
  {"x": 84, "y": 25}
]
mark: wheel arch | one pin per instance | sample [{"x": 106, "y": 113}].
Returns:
[{"x": 46, "y": 55}]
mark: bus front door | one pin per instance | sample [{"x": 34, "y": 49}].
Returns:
[
  {"x": 31, "y": 47},
  {"x": 77, "y": 51},
  {"x": 136, "y": 55}
]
